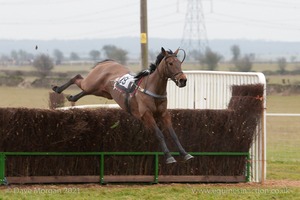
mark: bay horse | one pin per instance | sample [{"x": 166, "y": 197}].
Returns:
[{"x": 147, "y": 102}]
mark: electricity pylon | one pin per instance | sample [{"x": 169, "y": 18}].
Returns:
[{"x": 194, "y": 34}]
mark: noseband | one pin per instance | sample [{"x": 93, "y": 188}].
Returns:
[{"x": 173, "y": 78}]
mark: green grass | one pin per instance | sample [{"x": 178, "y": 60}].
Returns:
[
  {"x": 39, "y": 97},
  {"x": 283, "y": 170},
  {"x": 283, "y": 139},
  {"x": 283, "y": 104},
  {"x": 151, "y": 192},
  {"x": 283, "y": 155}
]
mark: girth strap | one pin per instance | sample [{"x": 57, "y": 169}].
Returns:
[
  {"x": 152, "y": 94},
  {"x": 127, "y": 104}
]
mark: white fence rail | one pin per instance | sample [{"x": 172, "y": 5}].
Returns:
[{"x": 283, "y": 115}]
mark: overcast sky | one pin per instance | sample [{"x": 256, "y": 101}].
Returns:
[{"x": 90, "y": 19}]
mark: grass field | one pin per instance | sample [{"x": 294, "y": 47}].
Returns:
[
  {"x": 283, "y": 155},
  {"x": 283, "y": 161},
  {"x": 39, "y": 97},
  {"x": 283, "y": 138},
  {"x": 151, "y": 192}
]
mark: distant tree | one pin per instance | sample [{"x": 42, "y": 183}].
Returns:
[
  {"x": 15, "y": 56},
  {"x": 21, "y": 57},
  {"x": 95, "y": 55},
  {"x": 43, "y": 64},
  {"x": 211, "y": 59},
  {"x": 30, "y": 57},
  {"x": 58, "y": 56},
  {"x": 293, "y": 59},
  {"x": 196, "y": 55},
  {"x": 4, "y": 59},
  {"x": 282, "y": 63},
  {"x": 236, "y": 52},
  {"x": 24, "y": 57},
  {"x": 244, "y": 64},
  {"x": 115, "y": 53},
  {"x": 74, "y": 56}
]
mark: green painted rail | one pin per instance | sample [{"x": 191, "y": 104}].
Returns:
[{"x": 3, "y": 156}]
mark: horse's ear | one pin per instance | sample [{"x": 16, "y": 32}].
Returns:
[
  {"x": 176, "y": 52},
  {"x": 163, "y": 51}
]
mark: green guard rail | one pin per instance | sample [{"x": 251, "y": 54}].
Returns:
[{"x": 3, "y": 156}]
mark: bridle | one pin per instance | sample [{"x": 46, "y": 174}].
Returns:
[{"x": 167, "y": 70}]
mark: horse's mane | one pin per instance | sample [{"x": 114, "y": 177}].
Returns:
[{"x": 152, "y": 67}]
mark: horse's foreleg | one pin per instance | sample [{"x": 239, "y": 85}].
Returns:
[
  {"x": 169, "y": 158},
  {"x": 185, "y": 155},
  {"x": 59, "y": 89},
  {"x": 150, "y": 123},
  {"x": 167, "y": 123}
]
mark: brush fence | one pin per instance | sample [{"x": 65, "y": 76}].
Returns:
[{"x": 212, "y": 90}]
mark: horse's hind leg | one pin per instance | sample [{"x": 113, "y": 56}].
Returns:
[
  {"x": 75, "y": 79},
  {"x": 76, "y": 97}
]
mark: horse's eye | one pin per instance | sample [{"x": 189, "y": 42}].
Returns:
[{"x": 171, "y": 64}]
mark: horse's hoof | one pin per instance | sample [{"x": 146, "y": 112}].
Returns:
[
  {"x": 70, "y": 98},
  {"x": 171, "y": 160},
  {"x": 188, "y": 157},
  {"x": 55, "y": 89}
]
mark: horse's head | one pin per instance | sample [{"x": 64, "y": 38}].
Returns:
[{"x": 172, "y": 67}]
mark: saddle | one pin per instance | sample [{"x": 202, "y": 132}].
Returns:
[{"x": 127, "y": 83}]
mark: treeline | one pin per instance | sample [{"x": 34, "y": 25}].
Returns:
[
  {"x": 208, "y": 59},
  {"x": 21, "y": 57},
  {"x": 241, "y": 62}
]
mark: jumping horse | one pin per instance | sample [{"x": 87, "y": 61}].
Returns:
[{"x": 147, "y": 101}]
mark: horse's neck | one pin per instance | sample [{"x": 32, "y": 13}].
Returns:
[{"x": 157, "y": 83}]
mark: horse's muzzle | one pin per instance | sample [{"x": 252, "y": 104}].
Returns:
[{"x": 181, "y": 80}]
